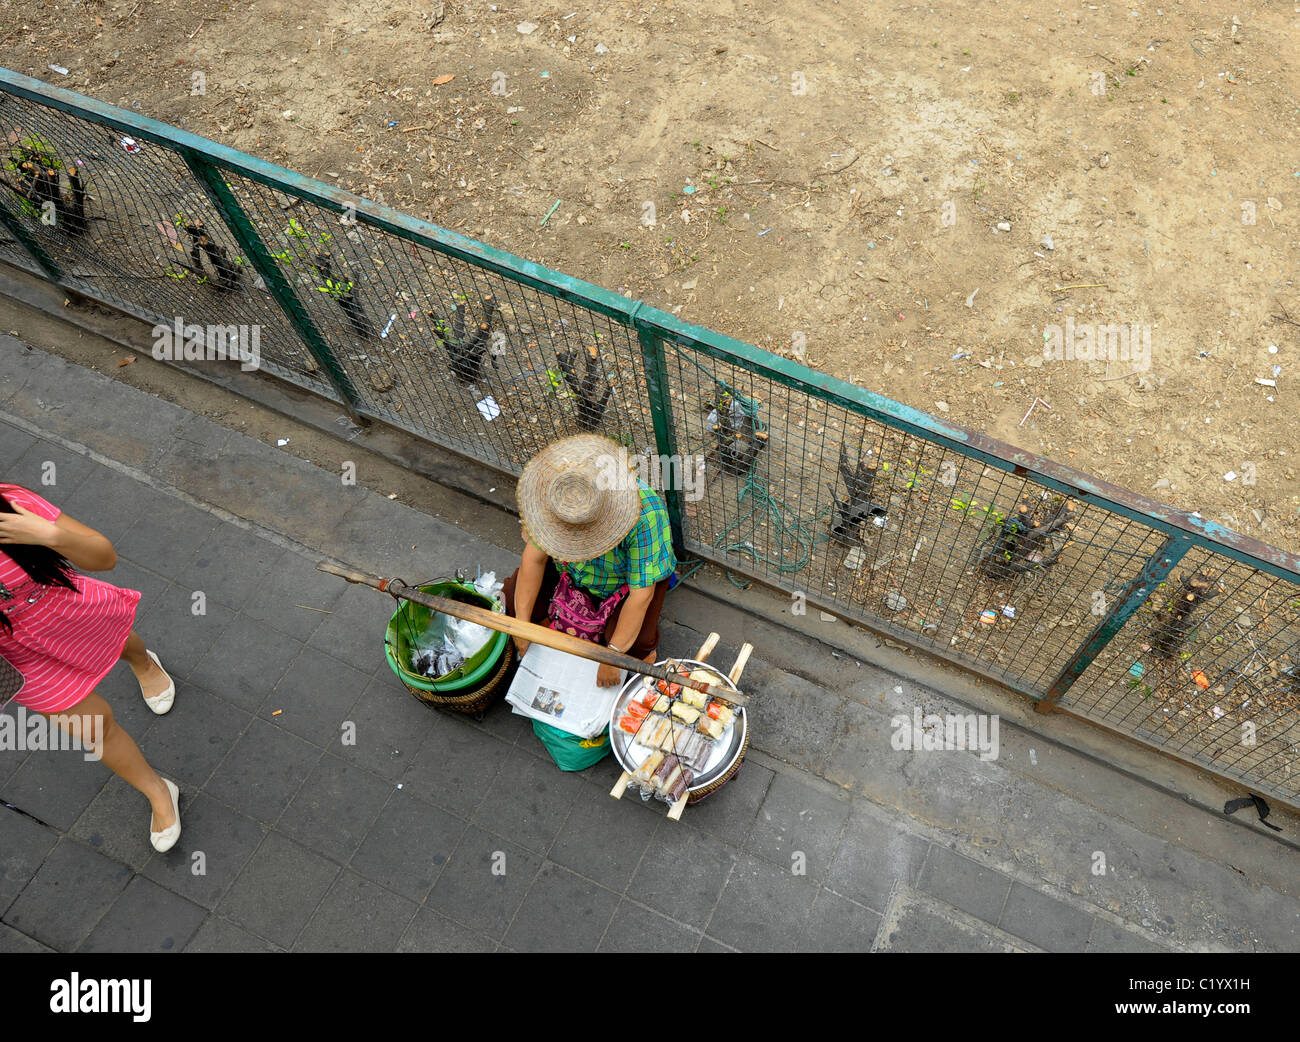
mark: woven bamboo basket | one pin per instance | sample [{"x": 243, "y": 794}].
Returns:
[{"x": 475, "y": 702}]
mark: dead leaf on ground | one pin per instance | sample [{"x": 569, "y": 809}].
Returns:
[
  {"x": 126, "y": 361},
  {"x": 445, "y": 78}
]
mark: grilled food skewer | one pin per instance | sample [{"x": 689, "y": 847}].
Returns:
[
  {"x": 710, "y": 642},
  {"x": 675, "y": 812}
]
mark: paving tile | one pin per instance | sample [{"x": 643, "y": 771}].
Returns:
[
  {"x": 357, "y": 915},
  {"x": 121, "y": 691},
  {"x": 709, "y": 946},
  {"x": 263, "y": 772},
  {"x": 279, "y": 890},
  {"x": 856, "y": 749},
  {"x": 116, "y": 824},
  {"x": 484, "y": 882},
  {"x": 1107, "y": 937},
  {"x": 798, "y": 821},
  {"x": 315, "y": 697},
  {"x": 1044, "y": 921},
  {"x": 14, "y": 442},
  {"x": 430, "y": 931},
  {"x": 391, "y": 727},
  {"x": 797, "y": 719},
  {"x": 23, "y": 846},
  {"x": 354, "y": 631},
  {"x": 837, "y": 924},
  {"x": 33, "y": 471},
  {"x": 682, "y": 873},
  {"x": 508, "y": 726},
  {"x": 918, "y": 927},
  {"x": 14, "y": 943},
  {"x": 335, "y": 808},
  {"x": 131, "y": 576},
  {"x": 871, "y": 857},
  {"x": 529, "y": 801},
  {"x": 561, "y": 913},
  {"x": 604, "y": 838},
  {"x": 455, "y": 766},
  {"x": 729, "y": 812},
  {"x": 10, "y": 759},
  {"x": 229, "y": 565},
  {"x": 145, "y": 918},
  {"x": 221, "y": 935},
  {"x": 69, "y": 894},
  {"x": 408, "y": 845},
  {"x": 638, "y": 930},
  {"x": 763, "y": 907},
  {"x": 189, "y": 743},
  {"x": 111, "y": 503},
  {"x": 292, "y": 582},
  {"x": 964, "y": 884},
  {"x": 244, "y": 664},
  {"x": 215, "y": 845},
  {"x": 55, "y": 787},
  {"x": 180, "y": 638},
  {"x": 166, "y": 534}
]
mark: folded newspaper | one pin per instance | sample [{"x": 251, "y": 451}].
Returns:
[{"x": 560, "y": 689}]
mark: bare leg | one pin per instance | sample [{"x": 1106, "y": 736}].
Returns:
[
  {"x": 119, "y": 752},
  {"x": 152, "y": 680}
]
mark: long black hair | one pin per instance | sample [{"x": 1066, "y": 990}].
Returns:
[{"x": 42, "y": 564}]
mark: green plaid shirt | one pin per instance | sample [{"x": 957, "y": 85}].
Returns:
[{"x": 643, "y": 558}]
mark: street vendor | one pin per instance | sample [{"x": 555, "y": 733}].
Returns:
[{"x": 598, "y": 551}]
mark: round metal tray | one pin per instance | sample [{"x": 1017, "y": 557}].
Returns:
[{"x": 725, "y": 750}]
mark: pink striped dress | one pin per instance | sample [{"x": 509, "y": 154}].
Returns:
[{"x": 63, "y": 643}]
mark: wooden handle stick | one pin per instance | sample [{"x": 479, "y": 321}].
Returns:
[{"x": 535, "y": 634}]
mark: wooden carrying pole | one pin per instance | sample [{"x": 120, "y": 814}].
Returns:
[{"x": 531, "y": 632}]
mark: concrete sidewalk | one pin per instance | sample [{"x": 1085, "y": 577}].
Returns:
[{"x": 294, "y": 840}]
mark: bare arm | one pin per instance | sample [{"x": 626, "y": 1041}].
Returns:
[
  {"x": 631, "y": 618},
  {"x": 82, "y": 546},
  {"x": 531, "y": 570}
]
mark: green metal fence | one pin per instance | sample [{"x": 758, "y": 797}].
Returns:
[{"x": 1085, "y": 597}]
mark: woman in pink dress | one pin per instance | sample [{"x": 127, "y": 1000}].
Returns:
[{"x": 64, "y": 631}]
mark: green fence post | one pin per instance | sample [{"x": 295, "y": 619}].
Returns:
[
  {"x": 1134, "y": 595},
  {"x": 213, "y": 180},
  {"x": 15, "y": 228},
  {"x": 661, "y": 414}
]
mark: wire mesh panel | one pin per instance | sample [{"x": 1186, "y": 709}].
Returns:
[
  {"x": 1019, "y": 569},
  {"x": 824, "y": 502},
  {"x": 129, "y": 224},
  {"x": 447, "y": 350},
  {"x": 1208, "y": 668}
]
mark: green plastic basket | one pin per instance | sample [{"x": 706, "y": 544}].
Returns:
[{"x": 411, "y": 619}]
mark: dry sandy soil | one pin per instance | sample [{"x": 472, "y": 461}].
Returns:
[{"x": 831, "y": 175}]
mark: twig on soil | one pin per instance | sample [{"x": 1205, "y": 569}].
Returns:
[
  {"x": 1107, "y": 379},
  {"x": 1098, "y": 54},
  {"x": 766, "y": 145},
  {"x": 129, "y": 13},
  {"x": 1036, "y": 401},
  {"x": 1082, "y": 285},
  {"x": 1284, "y": 317},
  {"x": 196, "y": 31}
]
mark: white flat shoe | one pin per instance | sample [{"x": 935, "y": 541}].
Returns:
[
  {"x": 166, "y": 839},
  {"x": 163, "y": 702}
]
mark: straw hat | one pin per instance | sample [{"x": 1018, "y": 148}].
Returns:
[{"x": 578, "y": 497}]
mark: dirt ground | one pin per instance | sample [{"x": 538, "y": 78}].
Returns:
[{"x": 823, "y": 179}]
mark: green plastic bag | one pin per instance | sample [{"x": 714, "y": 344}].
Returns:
[{"x": 569, "y": 751}]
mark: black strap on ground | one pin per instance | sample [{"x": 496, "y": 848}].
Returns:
[{"x": 1232, "y": 806}]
